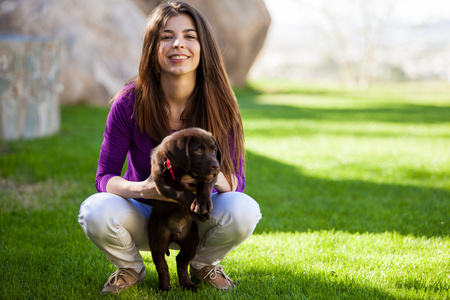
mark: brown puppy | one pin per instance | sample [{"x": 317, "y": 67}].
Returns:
[{"x": 194, "y": 152}]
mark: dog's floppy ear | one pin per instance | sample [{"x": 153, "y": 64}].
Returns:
[
  {"x": 218, "y": 153},
  {"x": 188, "y": 157},
  {"x": 178, "y": 153}
]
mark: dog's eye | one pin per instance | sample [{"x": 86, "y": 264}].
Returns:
[
  {"x": 199, "y": 151},
  {"x": 214, "y": 150}
]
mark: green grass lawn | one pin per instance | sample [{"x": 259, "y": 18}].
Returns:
[{"x": 354, "y": 189}]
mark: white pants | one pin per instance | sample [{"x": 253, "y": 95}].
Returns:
[{"x": 118, "y": 227}]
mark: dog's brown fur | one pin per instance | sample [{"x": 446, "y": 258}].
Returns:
[{"x": 194, "y": 152}]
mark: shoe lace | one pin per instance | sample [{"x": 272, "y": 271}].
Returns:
[
  {"x": 217, "y": 270},
  {"x": 119, "y": 274}
]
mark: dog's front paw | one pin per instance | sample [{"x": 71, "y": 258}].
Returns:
[
  {"x": 201, "y": 206},
  {"x": 200, "y": 218}
]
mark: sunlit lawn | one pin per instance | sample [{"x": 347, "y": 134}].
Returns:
[{"x": 354, "y": 189}]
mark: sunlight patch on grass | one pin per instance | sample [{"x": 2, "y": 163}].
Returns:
[
  {"x": 377, "y": 136},
  {"x": 400, "y": 160},
  {"x": 304, "y": 127}
]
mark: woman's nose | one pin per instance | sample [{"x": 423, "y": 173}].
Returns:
[{"x": 178, "y": 43}]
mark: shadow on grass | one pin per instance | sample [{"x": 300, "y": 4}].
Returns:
[{"x": 301, "y": 203}]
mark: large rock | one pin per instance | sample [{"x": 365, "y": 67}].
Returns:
[
  {"x": 101, "y": 40},
  {"x": 241, "y": 27},
  {"x": 98, "y": 41}
]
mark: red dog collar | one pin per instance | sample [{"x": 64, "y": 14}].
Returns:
[{"x": 169, "y": 167}]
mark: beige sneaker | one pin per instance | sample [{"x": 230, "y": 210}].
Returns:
[
  {"x": 213, "y": 275},
  {"x": 123, "y": 279}
]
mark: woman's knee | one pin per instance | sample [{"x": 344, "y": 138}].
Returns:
[
  {"x": 240, "y": 211},
  {"x": 98, "y": 211}
]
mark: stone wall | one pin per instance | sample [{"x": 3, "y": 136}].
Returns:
[{"x": 29, "y": 78}]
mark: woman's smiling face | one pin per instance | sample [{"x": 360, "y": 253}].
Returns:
[{"x": 179, "y": 48}]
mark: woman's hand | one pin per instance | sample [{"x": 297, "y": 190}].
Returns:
[
  {"x": 222, "y": 185},
  {"x": 148, "y": 189}
]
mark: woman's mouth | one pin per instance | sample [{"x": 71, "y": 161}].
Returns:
[{"x": 178, "y": 58}]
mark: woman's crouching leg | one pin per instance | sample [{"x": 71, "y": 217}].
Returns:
[
  {"x": 118, "y": 227},
  {"x": 233, "y": 219}
]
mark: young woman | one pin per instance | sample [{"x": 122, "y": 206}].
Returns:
[{"x": 181, "y": 83}]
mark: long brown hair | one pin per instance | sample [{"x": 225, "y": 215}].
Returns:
[{"x": 212, "y": 105}]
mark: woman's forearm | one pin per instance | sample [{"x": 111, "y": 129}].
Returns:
[{"x": 131, "y": 189}]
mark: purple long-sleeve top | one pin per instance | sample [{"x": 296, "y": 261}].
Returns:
[{"x": 123, "y": 137}]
